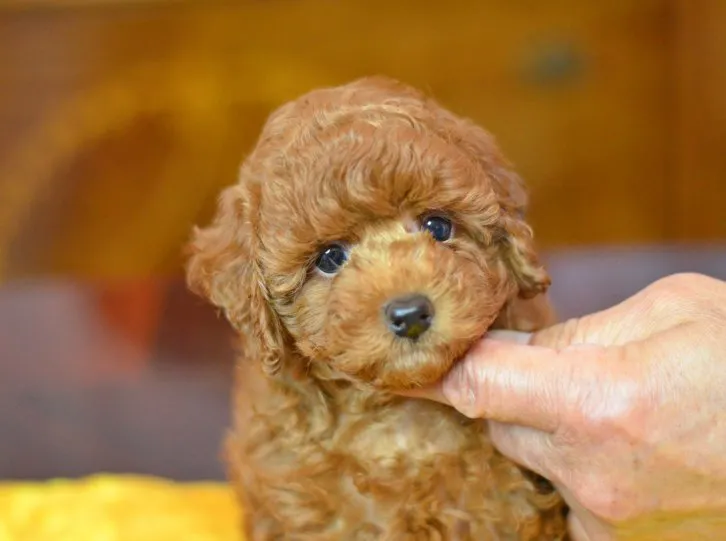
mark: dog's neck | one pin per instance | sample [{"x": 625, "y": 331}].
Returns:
[{"x": 334, "y": 391}]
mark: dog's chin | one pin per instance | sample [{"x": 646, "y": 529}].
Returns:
[{"x": 413, "y": 369}]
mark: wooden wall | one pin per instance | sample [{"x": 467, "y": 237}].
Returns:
[
  {"x": 121, "y": 120},
  {"x": 699, "y": 182}
]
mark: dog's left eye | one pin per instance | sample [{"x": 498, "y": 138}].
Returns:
[
  {"x": 331, "y": 258},
  {"x": 440, "y": 228}
]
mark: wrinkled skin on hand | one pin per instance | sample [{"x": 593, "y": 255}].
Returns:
[{"x": 623, "y": 410}]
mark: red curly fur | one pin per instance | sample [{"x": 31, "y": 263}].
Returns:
[{"x": 322, "y": 447}]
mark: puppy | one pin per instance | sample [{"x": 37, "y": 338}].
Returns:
[{"x": 372, "y": 238}]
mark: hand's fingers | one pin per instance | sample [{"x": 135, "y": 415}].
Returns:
[
  {"x": 526, "y": 446},
  {"x": 516, "y": 384},
  {"x": 506, "y": 381},
  {"x": 530, "y": 385},
  {"x": 435, "y": 392}
]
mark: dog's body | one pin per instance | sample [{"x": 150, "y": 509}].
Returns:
[{"x": 372, "y": 239}]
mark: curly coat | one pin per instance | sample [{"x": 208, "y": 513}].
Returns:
[{"x": 323, "y": 446}]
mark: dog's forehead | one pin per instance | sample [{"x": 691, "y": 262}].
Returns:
[
  {"x": 341, "y": 158},
  {"x": 327, "y": 188}
]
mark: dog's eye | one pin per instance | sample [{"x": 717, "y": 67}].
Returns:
[
  {"x": 440, "y": 228},
  {"x": 331, "y": 258}
]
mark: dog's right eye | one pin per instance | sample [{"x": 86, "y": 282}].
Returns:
[{"x": 331, "y": 258}]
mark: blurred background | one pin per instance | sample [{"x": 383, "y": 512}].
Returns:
[{"x": 121, "y": 120}]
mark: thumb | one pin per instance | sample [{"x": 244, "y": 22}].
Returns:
[{"x": 507, "y": 379}]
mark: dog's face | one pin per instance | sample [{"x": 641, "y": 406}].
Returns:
[{"x": 373, "y": 232}]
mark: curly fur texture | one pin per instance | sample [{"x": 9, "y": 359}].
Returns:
[{"x": 322, "y": 447}]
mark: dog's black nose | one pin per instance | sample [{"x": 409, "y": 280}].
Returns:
[{"x": 409, "y": 317}]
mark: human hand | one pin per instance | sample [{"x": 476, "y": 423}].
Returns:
[{"x": 624, "y": 410}]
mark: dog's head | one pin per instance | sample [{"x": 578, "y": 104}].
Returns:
[{"x": 373, "y": 234}]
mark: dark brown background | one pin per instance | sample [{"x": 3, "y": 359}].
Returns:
[{"x": 120, "y": 121}]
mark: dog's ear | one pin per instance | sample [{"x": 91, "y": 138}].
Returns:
[
  {"x": 514, "y": 235},
  {"x": 529, "y": 310},
  {"x": 223, "y": 268}
]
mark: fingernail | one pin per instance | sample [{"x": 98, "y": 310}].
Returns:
[
  {"x": 430, "y": 393},
  {"x": 516, "y": 337}
]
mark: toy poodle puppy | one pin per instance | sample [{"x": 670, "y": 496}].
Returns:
[{"x": 372, "y": 239}]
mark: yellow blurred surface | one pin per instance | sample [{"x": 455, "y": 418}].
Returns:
[{"x": 118, "y": 508}]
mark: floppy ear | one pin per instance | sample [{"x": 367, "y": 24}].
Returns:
[
  {"x": 514, "y": 236},
  {"x": 224, "y": 269},
  {"x": 530, "y": 309}
]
